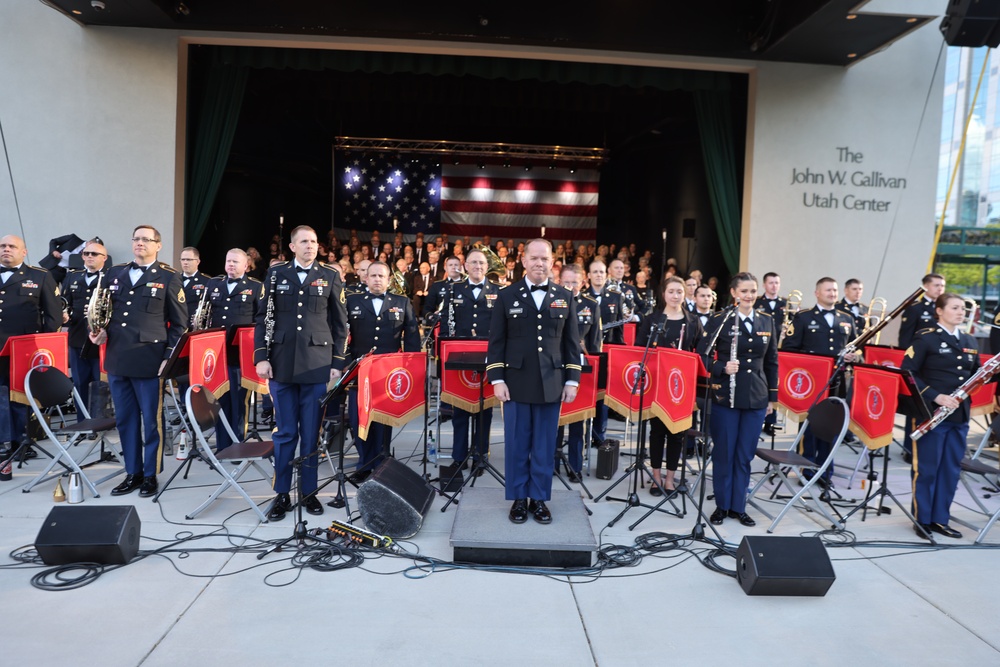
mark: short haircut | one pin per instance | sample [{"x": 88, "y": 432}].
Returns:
[
  {"x": 770, "y": 274},
  {"x": 825, "y": 279},
  {"x": 853, "y": 281},
  {"x": 932, "y": 276},
  {"x": 597, "y": 261},
  {"x": 703, "y": 287},
  {"x": 301, "y": 228},
  {"x": 239, "y": 251},
  {"x": 191, "y": 248},
  {"x": 388, "y": 269},
  {"x": 156, "y": 232},
  {"x": 573, "y": 268}
]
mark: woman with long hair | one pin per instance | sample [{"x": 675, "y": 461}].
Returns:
[
  {"x": 745, "y": 384},
  {"x": 681, "y": 330}
]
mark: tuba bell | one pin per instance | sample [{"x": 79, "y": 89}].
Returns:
[
  {"x": 397, "y": 284},
  {"x": 494, "y": 265}
]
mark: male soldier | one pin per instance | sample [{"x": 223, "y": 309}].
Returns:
[
  {"x": 851, "y": 303},
  {"x": 439, "y": 290},
  {"x": 917, "y": 316},
  {"x": 235, "y": 299},
  {"x": 616, "y": 282},
  {"x": 609, "y": 304},
  {"x": 771, "y": 304},
  {"x": 148, "y": 317},
  {"x": 384, "y": 321},
  {"x": 300, "y": 351},
  {"x": 29, "y": 303},
  {"x": 703, "y": 300},
  {"x": 84, "y": 358},
  {"x": 194, "y": 281}
]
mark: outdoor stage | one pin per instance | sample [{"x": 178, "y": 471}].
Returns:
[{"x": 920, "y": 606}]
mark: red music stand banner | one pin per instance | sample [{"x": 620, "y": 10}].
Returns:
[
  {"x": 207, "y": 361},
  {"x": 461, "y": 388},
  {"x": 676, "y": 387},
  {"x": 584, "y": 405},
  {"x": 623, "y": 374},
  {"x": 879, "y": 355},
  {"x": 102, "y": 352},
  {"x": 628, "y": 331},
  {"x": 874, "y": 400},
  {"x": 802, "y": 382},
  {"x": 390, "y": 389},
  {"x": 983, "y": 398},
  {"x": 248, "y": 369},
  {"x": 31, "y": 350}
]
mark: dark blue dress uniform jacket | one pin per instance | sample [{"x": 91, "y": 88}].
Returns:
[
  {"x": 611, "y": 311},
  {"x": 147, "y": 319},
  {"x": 29, "y": 303},
  {"x": 394, "y": 326},
  {"x": 763, "y": 304},
  {"x": 234, "y": 309},
  {"x": 471, "y": 316},
  {"x": 757, "y": 379},
  {"x": 310, "y": 324},
  {"x": 692, "y": 331},
  {"x": 588, "y": 320},
  {"x": 940, "y": 363},
  {"x": 917, "y": 317},
  {"x": 535, "y": 351},
  {"x": 196, "y": 284},
  {"x": 77, "y": 292}
]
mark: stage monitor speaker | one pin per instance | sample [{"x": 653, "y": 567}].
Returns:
[
  {"x": 607, "y": 458},
  {"x": 768, "y": 565},
  {"x": 108, "y": 535},
  {"x": 394, "y": 500},
  {"x": 689, "y": 228},
  {"x": 972, "y": 23}
]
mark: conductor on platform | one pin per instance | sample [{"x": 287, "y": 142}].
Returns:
[{"x": 534, "y": 363}]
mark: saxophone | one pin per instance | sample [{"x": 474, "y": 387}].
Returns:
[{"x": 98, "y": 310}]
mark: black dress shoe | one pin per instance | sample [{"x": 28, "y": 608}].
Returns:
[
  {"x": 148, "y": 487},
  {"x": 925, "y": 533},
  {"x": 654, "y": 490},
  {"x": 769, "y": 430},
  {"x": 519, "y": 511},
  {"x": 540, "y": 511},
  {"x": 718, "y": 516},
  {"x": 313, "y": 505},
  {"x": 908, "y": 457},
  {"x": 30, "y": 453},
  {"x": 281, "y": 505},
  {"x": 359, "y": 476},
  {"x": 131, "y": 483},
  {"x": 946, "y": 530},
  {"x": 742, "y": 517},
  {"x": 574, "y": 477}
]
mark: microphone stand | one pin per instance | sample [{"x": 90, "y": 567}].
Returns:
[{"x": 638, "y": 467}]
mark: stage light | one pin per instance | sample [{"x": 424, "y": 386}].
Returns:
[
  {"x": 527, "y": 167},
  {"x": 456, "y": 162},
  {"x": 481, "y": 165},
  {"x": 506, "y": 164},
  {"x": 572, "y": 169},
  {"x": 552, "y": 165}
]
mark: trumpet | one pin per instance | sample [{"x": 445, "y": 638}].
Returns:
[
  {"x": 98, "y": 311},
  {"x": 877, "y": 308},
  {"x": 203, "y": 313},
  {"x": 792, "y": 305}
]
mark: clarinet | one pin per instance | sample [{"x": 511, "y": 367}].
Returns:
[
  {"x": 733, "y": 356},
  {"x": 451, "y": 309},
  {"x": 269, "y": 316},
  {"x": 680, "y": 339}
]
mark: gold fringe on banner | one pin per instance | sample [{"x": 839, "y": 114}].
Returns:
[
  {"x": 220, "y": 390},
  {"x": 259, "y": 387},
  {"x": 871, "y": 442},
  {"x": 469, "y": 406},
  {"x": 672, "y": 426},
  {"x": 577, "y": 416}
]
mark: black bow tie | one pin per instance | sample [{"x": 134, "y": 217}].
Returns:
[
  {"x": 133, "y": 265},
  {"x": 476, "y": 285},
  {"x": 91, "y": 275},
  {"x": 541, "y": 288},
  {"x": 232, "y": 281},
  {"x": 8, "y": 269}
]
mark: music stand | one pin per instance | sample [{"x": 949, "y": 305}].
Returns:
[
  {"x": 910, "y": 404},
  {"x": 177, "y": 366},
  {"x": 339, "y": 393},
  {"x": 563, "y": 459},
  {"x": 472, "y": 361}
]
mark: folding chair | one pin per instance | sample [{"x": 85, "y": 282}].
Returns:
[
  {"x": 974, "y": 467},
  {"x": 204, "y": 412},
  {"x": 48, "y": 387},
  {"x": 828, "y": 420}
]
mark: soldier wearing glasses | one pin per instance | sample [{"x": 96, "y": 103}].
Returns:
[
  {"x": 148, "y": 317},
  {"x": 84, "y": 357}
]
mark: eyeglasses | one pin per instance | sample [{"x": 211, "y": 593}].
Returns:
[
  {"x": 144, "y": 239},
  {"x": 90, "y": 253}
]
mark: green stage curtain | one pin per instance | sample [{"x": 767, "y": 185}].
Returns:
[
  {"x": 512, "y": 69},
  {"x": 216, "y": 125},
  {"x": 715, "y": 129}
]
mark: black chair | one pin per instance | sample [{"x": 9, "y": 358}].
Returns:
[
  {"x": 828, "y": 420},
  {"x": 49, "y": 387},
  {"x": 204, "y": 412}
]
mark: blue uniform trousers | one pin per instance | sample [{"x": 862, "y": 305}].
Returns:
[
  {"x": 937, "y": 464},
  {"x": 460, "y": 422},
  {"x": 234, "y": 406},
  {"x": 530, "y": 446},
  {"x": 574, "y": 445},
  {"x": 817, "y": 451},
  {"x": 599, "y": 429},
  {"x": 734, "y": 437},
  {"x": 139, "y": 418},
  {"x": 84, "y": 371},
  {"x": 370, "y": 448},
  {"x": 297, "y": 415},
  {"x": 13, "y": 417}
]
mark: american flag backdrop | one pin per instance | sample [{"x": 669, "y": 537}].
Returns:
[{"x": 464, "y": 200}]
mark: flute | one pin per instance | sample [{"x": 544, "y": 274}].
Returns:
[{"x": 733, "y": 354}]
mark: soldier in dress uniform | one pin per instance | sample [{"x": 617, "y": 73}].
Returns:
[
  {"x": 630, "y": 296},
  {"x": 941, "y": 359},
  {"x": 467, "y": 310},
  {"x": 771, "y": 304},
  {"x": 439, "y": 289},
  {"x": 303, "y": 315},
  {"x": 920, "y": 315},
  {"x": 235, "y": 300},
  {"x": 29, "y": 303},
  {"x": 84, "y": 357},
  {"x": 704, "y": 299},
  {"x": 148, "y": 317},
  {"x": 610, "y": 306},
  {"x": 533, "y": 362},
  {"x": 851, "y": 303},
  {"x": 822, "y": 330},
  {"x": 588, "y": 319},
  {"x": 194, "y": 281},
  {"x": 384, "y": 321}
]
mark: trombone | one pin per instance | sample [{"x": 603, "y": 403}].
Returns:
[{"x": 877, "y": 308}]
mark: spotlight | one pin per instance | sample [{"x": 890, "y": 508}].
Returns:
[
  {"x": 506, "y": 164},
  {"x": 456, "y": 162},
  {"x": 98, "y": 5},
  {"x": 572, "y": 169},
  {"x": 527, "y": 167},
  {"x": 552, "y": 165},
  {"x": 481, "y": 165}
]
